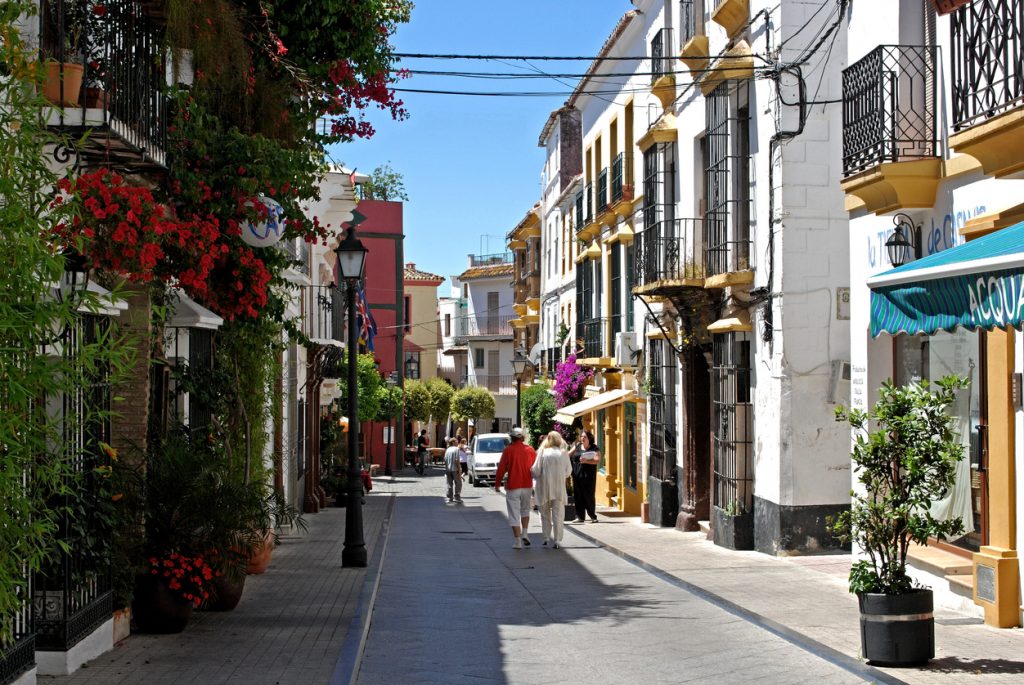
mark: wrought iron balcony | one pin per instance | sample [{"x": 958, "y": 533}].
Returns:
[
  {"x": 889, "y": 107},
  {"x": 495, "y": 383},
  {"x": 617, "y": 167},
  {"x": 592, "y": 338},
  {"x": 687, "y": 21},
  {"x": 589, "y": 218},
  {"x": 485, "y": 326},
  {"x": 668, "y": 252},
  {"x": 323, "y": 312},
  {"x": 987, "y": 60},
  {"x": 661, "y": 54},
  {"x": 580, "y": 222},
  {"x": 121, "y": 102},
  {"x": 602, "y": 190}
]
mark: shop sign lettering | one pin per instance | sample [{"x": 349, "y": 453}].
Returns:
[
  {"x": 996, "y": 300},
  {"x": 936, "y": 235}
]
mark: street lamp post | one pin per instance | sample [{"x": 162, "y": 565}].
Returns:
[
  {"x": 519, "y": 364},
  {"x": 351, "y": 260}
]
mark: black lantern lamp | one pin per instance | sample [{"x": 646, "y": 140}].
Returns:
[
  {"x": 905, "y": 239},
  {"x": 519, "y": 365},
  {"x": 351, "y": 261},
  {"x": 412, "y": 368},
  {"x": 75, "y": 280}
]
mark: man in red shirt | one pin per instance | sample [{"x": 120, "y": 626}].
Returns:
[{"x": 516, "y": 461}]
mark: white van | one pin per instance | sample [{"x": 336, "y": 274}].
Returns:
[{"x": 484, "y": 454}]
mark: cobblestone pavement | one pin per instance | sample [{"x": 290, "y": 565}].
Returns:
[
  {"x": 290, "y": 627},
  {"x": 456, "y": 604}
]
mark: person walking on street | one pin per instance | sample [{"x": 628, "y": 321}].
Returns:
[
  {"x": 516, "y": 461},
  {"x": 422, "y": 442},
  {"x": 463, "y": 455},
  {"x": 453, "y": 471},
  {"x": 585, "y": 458},
  {"x": 551, "y": 469}
]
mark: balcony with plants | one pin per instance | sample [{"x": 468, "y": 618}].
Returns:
[
  {"x": 623, "y": 195},
  {"x": 890, "y": 128},
  {"x": 592, "y": 341},
  {"x": 987, "y": 80},
  {"x": 669, "y": 256},
  {"x": 106, "y": 76}
]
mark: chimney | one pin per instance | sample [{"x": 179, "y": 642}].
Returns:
[{"x": 411, "y": 266}]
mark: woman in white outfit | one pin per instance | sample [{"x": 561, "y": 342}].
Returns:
[{"x": 550, "y": 471}]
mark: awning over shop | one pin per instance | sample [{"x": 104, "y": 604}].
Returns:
[
  {"x": 979, "y": 284},
  {"x": 606, "y": 399}
]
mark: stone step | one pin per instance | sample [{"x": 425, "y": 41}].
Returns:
[{"x": 939, "y": 562}]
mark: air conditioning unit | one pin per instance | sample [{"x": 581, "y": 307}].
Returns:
[
  {"x": 625, "y": 349},
  {"x": 839, "y": 383}
]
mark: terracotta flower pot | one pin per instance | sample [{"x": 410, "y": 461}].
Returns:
[
  {"x": 645, "y": 512},
  {"x": 156, "y": 609},
  {"x": 259, "y": 560},
  {"x": 72, "y": 83}
]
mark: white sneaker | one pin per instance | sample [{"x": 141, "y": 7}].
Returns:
[
  {"x": 517, "y": 544},
  {"x": 556, "y": 544}
]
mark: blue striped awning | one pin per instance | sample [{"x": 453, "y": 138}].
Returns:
[{"x": 979, "y": 284}]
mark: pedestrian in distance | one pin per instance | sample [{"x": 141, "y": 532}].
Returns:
[
  {"x": 585, "y": 458},
  {"x": 550, "y": 470},
  {"x": 453, "y": 471},
  {"x": 422, "y": 443},
  {"x": 516, "y": 461},
  {"x": 463, "y": 456}
]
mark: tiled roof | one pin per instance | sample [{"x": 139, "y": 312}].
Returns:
[
  {"x": 411, "y": 273},
  {"x": 490, "y": 271}
]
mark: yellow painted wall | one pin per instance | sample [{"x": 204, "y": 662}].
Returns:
[{"x": 426, "y": 328}]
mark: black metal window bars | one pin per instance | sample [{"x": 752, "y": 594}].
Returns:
[
  {"x": 687, "y": 21},
  {"x": 661, "y": 54},
  {"x": 589, "y": 189},
  {"x": 602, "y": 189},
  {"x": 661, "y": 377},
  {"x": 732, "y": 423},
  {"x": 669, "y": 251},
  {"x": 617, "y": 168},
  {"x": 593, "y": 335},
  {"x": 727, "y": 180},
  {"x": 987, "y": 60},
  {"x": 889, "y": 107}
]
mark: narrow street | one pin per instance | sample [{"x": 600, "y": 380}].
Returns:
[{"x": 456, "y": 604}]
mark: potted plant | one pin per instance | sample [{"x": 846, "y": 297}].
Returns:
[
  {"x": 71, "y": 25},
  {"x": 903, "y": 464},
  {"x": 732, "y": 526}
]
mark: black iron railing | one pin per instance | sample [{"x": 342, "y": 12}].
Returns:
[
  {"x": 488, "y": 324},
  {"x": 987, "y": 60},
  {"x": 661, "y": 372},
  {"x": 889, "y": 107},
  {"x": 589, "y": 218},
  {"x": 499, "y": 384},
  {"x": 490, "y": 259},
  {"x": 19, "y": 656},
  {"x": 580, "y": 221},
  {"x": 323, "y": 308},
  {"x": 669, "y": 250},
  {"x": 687, "y": 21},
  {"x": 617, "y": 167},
  {"x": 661, "y": 54},
  {"x": 593, "y": 339},
  {"x": 602, "y": 190},
  {"x": 727, "y": 234},
  {"x": 552, "y": 358},
  {"x": 732, "y": 419},
  {"x": 72, "y": 593},
  {"x": 123, "y": 77}
]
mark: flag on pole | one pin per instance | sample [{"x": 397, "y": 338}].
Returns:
[{"x": 367, "y": 326}]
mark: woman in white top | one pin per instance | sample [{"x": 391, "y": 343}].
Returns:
[{"x": 550, "y": 470}]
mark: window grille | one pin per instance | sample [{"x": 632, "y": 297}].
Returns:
[
  {"x": 302, "y": 428},
  {"x": 661, "y": 54},
  {"x": 727, "y": 179},
  {"x": 661, "y": 370},
  {"x": 631, "y": 457},
  {"x": 987, "y": 60},
  {"x": 630, "y": 283},
  {"x": 616, "y": 288},
  {"x": 732, "y": 422},
  {"x": 617, "y": 169}
]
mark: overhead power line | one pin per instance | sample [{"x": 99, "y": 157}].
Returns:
[{"x": 532, "y": 58}]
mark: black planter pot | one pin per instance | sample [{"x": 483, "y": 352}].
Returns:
[
  {"x": 570, "y": 511},
  {"x": 225, "y": 593},
  {"x": 664, "y": 502},
  {"x": 155, "y": 609},
  {"x": 732, "y": 532},
  {"x": 897, "y": 630}
]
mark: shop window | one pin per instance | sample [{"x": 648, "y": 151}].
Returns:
[
  {"x": 930, "y": 358},
  {"x": 661, "y": 381},
  {"x": 732, "y": 423},
  {"x": 631, "y": 459},
  {"x": 478, "y": 358}
]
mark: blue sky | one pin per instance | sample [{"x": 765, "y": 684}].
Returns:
[{"x": 471, "y": 164}]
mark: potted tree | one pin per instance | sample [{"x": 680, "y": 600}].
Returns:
[{"x": 904, "y": 455}]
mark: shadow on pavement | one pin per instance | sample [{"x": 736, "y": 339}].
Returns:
[{"x": 974, "y": 666}]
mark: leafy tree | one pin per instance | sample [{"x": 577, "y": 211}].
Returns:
[
  {"x": 385, "y": 184},
  {"x": 368, "y": 381},
  {"x": 389, "y": 399},
  {"x": 417, "y": 401},
  {"x": 440, "y": 399},
  {"x": 472, "y": 403},
  {"x": 905, "y": 463},
  {"x": 537, "y": 407}
]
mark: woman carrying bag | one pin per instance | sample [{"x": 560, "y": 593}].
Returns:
[
  {"x": 550, "y": 471},
  {"x": 585, "y": 458}
]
